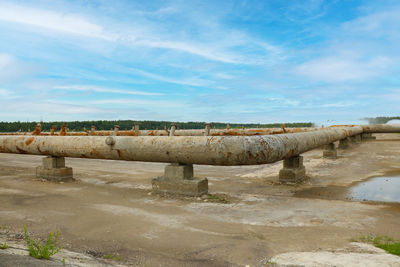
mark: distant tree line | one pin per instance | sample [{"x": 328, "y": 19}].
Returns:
[
  {"x": 128, "y": 124},
  {"x": 381, "y": 120}
]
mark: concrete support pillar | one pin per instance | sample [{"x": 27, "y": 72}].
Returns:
[
  {"x": 344, "y": 143},
  {"x": 367, "y": 136},
  {"x": 330, "y": 151},
  {"x": 353, "y": 139},
  {"x": 178, "y": 179},
  {"x": 293, "y": 170},
  {"x": 53, "y": 169},
  {"x": 358, "y": 138}
]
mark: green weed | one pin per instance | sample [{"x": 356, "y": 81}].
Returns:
[
  {"x": 41, "y": 250},
  {"x": 4, "y": 246},
  {"x": 217, "y": 198},
  {"x": 112, "y": 257},
  {"x": 386, "y": 243}
]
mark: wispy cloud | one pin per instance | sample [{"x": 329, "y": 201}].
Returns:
[
  {"x": 7, "y": 94},
  {"x": 280, "y": 101},
  {"x": 336, "y": 69},
  {"x": 216, "y": 60},
  {"x": 11, "y": 68},
  {"x": 145, "y": 34},
  {"x": 193, "y": 81},
  {"x": 29, "y": 108},
  {"x": 379, "y": 23},
  {"x": 89, "y": 88},
  {"x": 56, "y": 21},
  {"x": 202, "y": 50},
  {"x": 140, "y": 102}
]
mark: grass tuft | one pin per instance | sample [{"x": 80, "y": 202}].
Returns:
[
  {"x": 41, "y": 250},
  {"x": 386, "y": 243},
  {"x": 4, "y": 246},
  {"x": 217, "y": 198},
  {"x": 112, "y": 257}
]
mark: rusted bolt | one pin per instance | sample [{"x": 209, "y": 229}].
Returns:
[{"x": 110, "y": 141}]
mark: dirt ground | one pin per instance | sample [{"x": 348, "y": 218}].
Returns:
[{"x": 110, "y": 210}]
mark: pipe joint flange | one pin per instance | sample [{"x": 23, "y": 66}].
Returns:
[{"x": 110, "y": 141}]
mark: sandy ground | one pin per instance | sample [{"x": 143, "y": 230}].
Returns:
[{"x": 110, "y": 210}]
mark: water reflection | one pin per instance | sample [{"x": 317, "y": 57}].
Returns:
[{"x": 378, "y": 189}]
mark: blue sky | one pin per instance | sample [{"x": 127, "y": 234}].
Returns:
[{"x": 266, "y": 61}]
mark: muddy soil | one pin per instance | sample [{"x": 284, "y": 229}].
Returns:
[{"x": 110, "y": 209}]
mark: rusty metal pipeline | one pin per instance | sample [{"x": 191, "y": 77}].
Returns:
[
  {"x": 381, "y": 128},
  {"x": 206, "y": 150},
  {"x": 377, "y": 128},
  {"x": 192, "y": 132}
]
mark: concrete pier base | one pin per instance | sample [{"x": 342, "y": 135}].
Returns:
[
  {"x": 53, "y": 169},
  {"x": 344, "y": 143},
  {"x": 293, "y": 170},
  {"x": 367, "y": 136},
  {"x": 330, "y": 151},
  {"x": 353, "y": 139},
  {"x": 178, "y": 180},
  {"x": 358, "y": 138}
]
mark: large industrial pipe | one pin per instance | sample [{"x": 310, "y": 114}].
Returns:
[
  {"x": 192, "y": 132},
  {"x": 207, "y": 150},
  {"x": 381, "y": 128}
]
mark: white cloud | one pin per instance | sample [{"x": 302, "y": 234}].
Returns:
[
  {"x": 139, "y": 102},
  {"x": 185, "y": 81},
  {"x": 224, "y": 76},
  {"x": 11, "y": 68},
  {"x": 103, "y": 90},
  {"x": 378, "y": 23},
  {"x": 56, "y": 21},
  {"x": 5, "y": 61},
  {"x": 337, "y": 105},
  {"x": 29, "y": 108},
  {"x": 199, "y": 50},
  {"x": 339, "y": 69},
  {"x": 145, "y": 33},
  {"x": 280, "y": 101},
  {"x": 7, "y": 94}
]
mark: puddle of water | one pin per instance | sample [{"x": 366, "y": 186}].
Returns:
[{"x": 385, "y": 189}]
